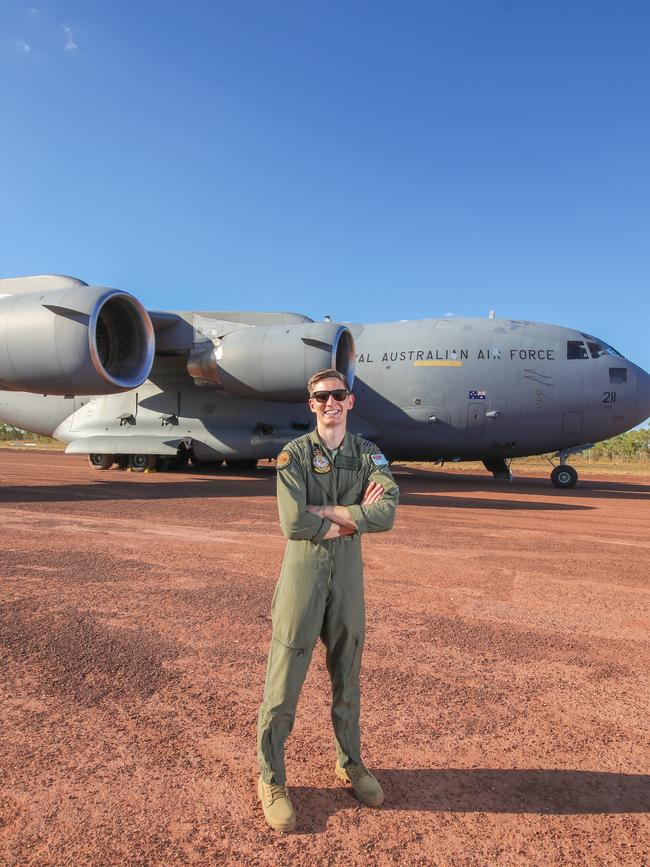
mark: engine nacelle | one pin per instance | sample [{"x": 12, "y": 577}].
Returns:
[
  {"x": 70, "y": 338},
  {"x": 273, "y": 362}
]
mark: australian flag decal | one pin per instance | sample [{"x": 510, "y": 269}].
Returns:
[{"x": 478, "y": 394}]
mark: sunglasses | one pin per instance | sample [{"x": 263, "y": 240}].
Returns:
[{"x": 338, "y": 394}]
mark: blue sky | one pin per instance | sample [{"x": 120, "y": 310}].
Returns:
[{"x": 369, "y": 160}]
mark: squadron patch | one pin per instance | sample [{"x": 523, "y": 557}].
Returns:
[
  {"x": 378, "y": 459},
  {"x": 320, "y": 463},
  {"x": 283, "y": 460}
]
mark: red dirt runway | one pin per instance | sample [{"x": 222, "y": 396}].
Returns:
[{"x": 505, "y": 678}]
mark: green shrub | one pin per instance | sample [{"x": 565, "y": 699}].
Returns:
[
  {"x": 631, "y": 446},
  {"x": 9, "y": 433}
]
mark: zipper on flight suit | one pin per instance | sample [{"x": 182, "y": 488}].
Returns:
[
  {"x": 329, "y": 577},
  {"x": 333, "y": 542}
]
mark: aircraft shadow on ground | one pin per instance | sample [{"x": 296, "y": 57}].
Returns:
[
  {"x": 485, "y": 790},
  {"x": 438, "y": 500},
  {"x": 100, "y": 490},
  {"x": 424, "y": 481},
  {"x": 123, "y": 491},
  {"x": 418, "y": 488}
]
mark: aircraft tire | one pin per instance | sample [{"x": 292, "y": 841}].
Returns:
[
  {"x": 140, "y": 463},
  {"x": 101, "y": 462},
  {"x": 564, "y": 476}
]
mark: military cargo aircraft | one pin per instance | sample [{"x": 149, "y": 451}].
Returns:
[{"x": 147, "y": 389}]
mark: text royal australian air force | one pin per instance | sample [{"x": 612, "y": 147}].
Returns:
[{"x": 456, "y": 357}]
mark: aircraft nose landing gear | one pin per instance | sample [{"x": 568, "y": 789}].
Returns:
[{"x": 565, "y": 476}]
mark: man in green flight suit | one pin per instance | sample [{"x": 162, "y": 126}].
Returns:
[{"x": 332, "y": 487}]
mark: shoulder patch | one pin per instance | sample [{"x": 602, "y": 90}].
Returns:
[
  {"x": 378, "y": 459},
  {"x": 283, "y": 460}
]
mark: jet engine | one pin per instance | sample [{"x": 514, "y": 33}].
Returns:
[
  {"x": 60, "y": 336},
  {"x": 273, "y": 362}
]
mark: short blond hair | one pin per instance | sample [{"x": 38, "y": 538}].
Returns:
[{"x": 326, "y": 374}]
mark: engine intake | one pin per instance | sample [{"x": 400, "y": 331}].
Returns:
[
  {"x": 75, "y": 339},
  {"x": 273, "y": 362}
]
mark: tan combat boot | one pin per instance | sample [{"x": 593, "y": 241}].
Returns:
[
  {"x": 278, "y": 810},
  {"x": 366, "y": 787}
]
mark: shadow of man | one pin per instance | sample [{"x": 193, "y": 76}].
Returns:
[{"x": 488, "y": 790}]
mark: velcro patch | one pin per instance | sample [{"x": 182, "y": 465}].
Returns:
[
  {"x": 283, "y": 460},
  {"x": 378, "y": 459}
]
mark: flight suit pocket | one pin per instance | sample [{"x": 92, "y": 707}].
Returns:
[{"x": 297, "y": 610}]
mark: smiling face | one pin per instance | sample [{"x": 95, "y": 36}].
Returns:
[{"x": 333, "y": 413}]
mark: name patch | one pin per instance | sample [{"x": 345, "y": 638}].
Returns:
[{"x": 346, "y": 462}]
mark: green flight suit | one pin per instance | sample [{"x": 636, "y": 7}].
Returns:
[{"x": 320, "y": 589}]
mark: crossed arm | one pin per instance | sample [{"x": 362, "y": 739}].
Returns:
[{"x": 342, "y": 521}]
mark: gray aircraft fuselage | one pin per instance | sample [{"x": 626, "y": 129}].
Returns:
[{"x": 432, "y": 390}]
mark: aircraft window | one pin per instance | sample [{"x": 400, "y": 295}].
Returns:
[
  {"x": 608, "y": 349},
  {"x": 618, "y": 374},
  {"x": 596, "y": 349},
  {"x": 576, "y": 349}
]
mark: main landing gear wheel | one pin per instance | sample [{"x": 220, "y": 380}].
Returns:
[
  {"x": 140, "y": 463},
  {"x": 564, "y": 476},
  {"x": 101, "y": 462}
]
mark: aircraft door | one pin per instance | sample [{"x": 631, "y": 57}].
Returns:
[{"x": 475, "y": 419}]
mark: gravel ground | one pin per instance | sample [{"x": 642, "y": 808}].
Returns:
[{"x": 505, "y": 678}]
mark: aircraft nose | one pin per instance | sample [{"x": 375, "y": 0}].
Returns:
[{"x": 642, "y": 395}]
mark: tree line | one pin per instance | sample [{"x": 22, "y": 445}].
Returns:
[
  {"x": 9, "y": 433},
  {"x": 631, "y": 446}
]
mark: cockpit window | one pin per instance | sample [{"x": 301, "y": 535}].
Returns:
[
  {"x": 596, "y": 349},
  {"x": 605, "y": 346},
  {"x": 576, "y": 349}
]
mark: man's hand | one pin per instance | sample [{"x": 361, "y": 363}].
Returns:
[
  {"x": 374, "y": 493},
  {"x": 340, "y": 516},
  {"x": 337, "y": 530}
]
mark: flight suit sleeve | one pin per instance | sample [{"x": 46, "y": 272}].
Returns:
[
  {"x": 296, "y": 522},
  {"x": 380, "y": 516}
]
